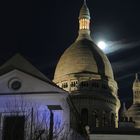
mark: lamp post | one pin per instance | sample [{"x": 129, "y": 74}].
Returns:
[{"x": 51, "y": 108}]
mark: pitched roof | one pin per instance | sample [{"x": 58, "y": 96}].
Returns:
[{"x": 20, "y": 63}]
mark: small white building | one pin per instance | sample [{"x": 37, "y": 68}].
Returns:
[{"x": 27, "y": 98}]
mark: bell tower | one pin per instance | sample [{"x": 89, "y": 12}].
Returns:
[{"x": 136, "y": 90}]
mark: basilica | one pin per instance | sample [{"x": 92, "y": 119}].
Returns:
[
  {"x": 85, "y": 72},
  {"x": 82, "y": 97}
]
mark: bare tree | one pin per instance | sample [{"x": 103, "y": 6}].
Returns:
[{"x": 37, "y": 121}]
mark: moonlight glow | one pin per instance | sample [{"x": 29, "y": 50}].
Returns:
[{"x": 101, "y": 45}]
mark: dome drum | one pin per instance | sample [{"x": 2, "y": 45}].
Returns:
[
  {"x": 92, "y": 105},
  {"x": 82, "y": 81}
]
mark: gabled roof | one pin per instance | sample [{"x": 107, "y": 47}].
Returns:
[
  {"x": 28, "y": 84},
  {"x": 19, "y": 62}
]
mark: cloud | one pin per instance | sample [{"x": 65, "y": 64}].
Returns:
[
  {"x": 126, "y": 67},
  {"x": 124, "y": 77},
  {"x": 114, "y": 46},
  {"x": 127, "y": 62}
]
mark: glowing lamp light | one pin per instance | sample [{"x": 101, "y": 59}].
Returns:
[{"x": 101, "y": 45}]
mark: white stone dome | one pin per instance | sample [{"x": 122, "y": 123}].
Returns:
[{"x": 83, "y": 56}]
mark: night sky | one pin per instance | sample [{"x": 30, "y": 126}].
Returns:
[{"x": 42, "y": 30}]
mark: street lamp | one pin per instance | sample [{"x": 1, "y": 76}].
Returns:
[{"x": 51, "y": 108}]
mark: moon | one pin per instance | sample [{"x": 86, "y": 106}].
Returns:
[{"x": 102, "y": 45}]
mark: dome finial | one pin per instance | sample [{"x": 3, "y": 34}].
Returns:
[
  {"x": 85, "y": 2},
  {"x": 84, "y": 22},
  {"x": 123, "y": 112},
  {"x": 136, "y": 76},
  {"x": 124, "y": 107},
  {"x": 84, "y": 12}
]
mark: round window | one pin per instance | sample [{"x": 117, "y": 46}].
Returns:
[{"x": 15, "y": 84}]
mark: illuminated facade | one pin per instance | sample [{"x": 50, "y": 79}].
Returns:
[
  {"x": 86, "y": 73},
  {"x": 28, "y": 101}
]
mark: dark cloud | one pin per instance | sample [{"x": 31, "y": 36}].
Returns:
[{"x": 121, "y": 45}]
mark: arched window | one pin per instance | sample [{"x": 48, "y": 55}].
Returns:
[
  {"x": 95, "y": 84},
  {"x": 126, "y": 119},
  {"x": 130, "y": 119},
  {"x": 74, "y": 83},
  {"x": 64, "y": 85},
  {"x": 84, "y": 84},
  {"x": 84, "y": 116}
]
